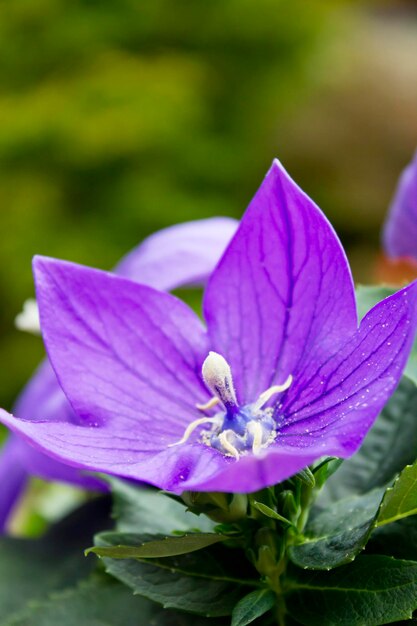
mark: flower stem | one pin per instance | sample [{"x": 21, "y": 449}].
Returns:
[{"x": 280, "y": 611}]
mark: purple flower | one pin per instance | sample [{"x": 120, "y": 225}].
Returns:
[
  {"x": 177, "y": 256},
  {"x": 400, "y": 229},
  {"x": 281, "y": 376}
]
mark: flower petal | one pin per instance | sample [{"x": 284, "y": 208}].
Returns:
[
  {"x": 344, "y": 395},
  {"x": 112, "y": 449},
  {"x": 43, "y": 399},
  {"x": 174, "y": 257},
  {"x": 180, "y": 255},
  {"x": 282, "y": 291},
  {"x": 253, "y": 473},
  {"x": 129, "y": 359},
  {"x": 337, "y": 422},
  {"x": 36, "y": 463},
  {"x": 190, "y": 467},
  {"x": 13, "y": 479},
  {"x": 400, "y": 230},
  {"x": 124, "y": 352}
]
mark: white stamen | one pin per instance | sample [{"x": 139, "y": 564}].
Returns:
[
  {"x": 218, "y": 378},
  {"x": 28, "y": 319},
  {"x": 256, "y": 430},
  {"x": 255, "y": 425},
  {"x": 208, "y": 405},
  {"x": 227, "y": 445},
  {"x": 191, "y": 428},
  {"x": 267, "y": 395}
]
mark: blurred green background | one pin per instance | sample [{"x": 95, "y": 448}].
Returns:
[{"x": 119, "y": 118}]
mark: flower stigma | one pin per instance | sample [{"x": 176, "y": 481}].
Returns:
[{"x": 235, "y": 429}]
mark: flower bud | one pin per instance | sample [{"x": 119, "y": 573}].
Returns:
[{"x": 220, "y": 507}]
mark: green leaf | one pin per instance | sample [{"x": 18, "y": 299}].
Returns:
[
  {"x": 324, "y": 469},
  {"x": 252, "y": 606},
  {"x": 268, "y": 512},
  {"x": 336, "y": 535},
  {"x": 209, "y": 582},
  {"x": 155, "y": 547},
  {"x": 306, "y": 476},
  {"x": 148, "y": 511},
  {"x": 102, "y": 601},
  {"x": 366, "y": 298},
  {"x": 400, "y": 500},
  {"x": 398, "y": 539},
  {"x": 31, "y": 569},
  {"x": 98, "y": 601},
  {"x": 372, "y": 591},
  {"x": 389, "y": 446}
]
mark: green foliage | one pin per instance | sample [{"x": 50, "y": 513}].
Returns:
[
  {"x": 268, "y": 512},
  {"x": 324, "y": 469},
  {"x": 207, "y": 582},
  {"x": 142, "y": 509},
  {"x": 243, "y": 574},
  {"x": 184, "y": 572},
  {"x": 400, "y": 500},
  {"x": 355, "y": 510},
  {"x": 200, "y": 582},
  {"x": 48, "y": 581},
  {"x": 252, "y": 606},
  {"x": 31, "y": 569},
  {"x": 131, "y": 546},
  {"x": 102, "y": 601},
  {"x": 398, "y": 539},
  {"x": 373, "y": 590},
  {"x": 337, "y": 534},
  {"x": 307, "y": 477}
]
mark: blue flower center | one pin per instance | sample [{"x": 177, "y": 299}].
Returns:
[
  {"x": 244, "y": 431},
  {"x": 235, "y": 430}
]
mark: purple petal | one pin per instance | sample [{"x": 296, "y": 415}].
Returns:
[
  {"x": 252, "y": 473},
  {"x": 13, "y": 478},
  {"x": 122, "y": 350},
  {"x": 282, "y": 292},
  {"x": 130, "y": 360},
  {"x": 400, "y": 230},
  {"x": 338, "y": 417},
  {"x": 43, "y": 399},
  {"x": 190, "y": 467},
  {"x": 36, "y": 463},
  {"x": 181, "y": 255},
  {"x": 130, "y": 452},
  {"x": 342, "y": 397},
  {"x": 331, "y": 419}
]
